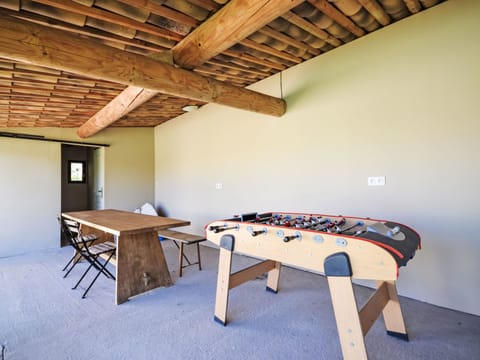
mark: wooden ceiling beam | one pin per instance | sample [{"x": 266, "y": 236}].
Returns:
[
  {"x": 35, "y": 44},
  {"x": 232, "y": 23},
  {"x": 128, "y": 100},
  {"x": 331, "y": 11}
]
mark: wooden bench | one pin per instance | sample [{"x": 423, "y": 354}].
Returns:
[{"x": 183, "y": 239}]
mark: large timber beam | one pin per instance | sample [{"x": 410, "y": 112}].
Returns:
[
  {"x": 128, "y": 100},
  {"x": 232, "y": 23},
  {"x": 42, "y": 46}
]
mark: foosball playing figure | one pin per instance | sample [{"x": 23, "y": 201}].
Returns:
[{"x": 343, "y": 248}]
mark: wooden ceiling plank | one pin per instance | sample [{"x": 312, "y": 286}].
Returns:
[
  {"x": 413, "y": 6},
  {"x": 168, "y": 24},
  {"x": 311, "y": 28},
  {"x": 27, "y": 89},
  {"x": 376, "y": 10},
  {"x": 32, "y": 99},
  {"x": 209, "y": 5},
  {"x": 6, "y": 65},
  {"x": 187, "y": 7},
  {"x": 28, "y": 74},
  {"x": 52, "y": 12},
  {"x": 48, "y": 94},
  {"x": 331, "y": 11},
  {"x": 266, "y": 30},
  {"x": 39, "y": 84},
  {"x": 91, "y": 32},
  {"x": 110, "y": 17},
  {"x": 25, "y": 66},
  {"x": 240, "y": 55},
  {"x": 239, "y": 68},
  {"x": 51, "y": 90},
  {"x": 271, "y": 51},
  {"x": 163, "y": 11},
  {"x": 52, "y": 100},
  {"x": 213, "y": 72},
  {"x": 37, "y": 79},
  {"x": 6, "y": 74},
  {"x": 231, "y": 24}
]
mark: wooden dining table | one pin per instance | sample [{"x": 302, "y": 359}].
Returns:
[{"x": 140, "y": 260}]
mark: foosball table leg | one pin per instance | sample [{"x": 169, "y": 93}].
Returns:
[
  {"x": 392, "y": 313},
  {"x": 223, "y": 286},
  {"x": 346, "y": 316},
  {"x": 273, "y": 278}
]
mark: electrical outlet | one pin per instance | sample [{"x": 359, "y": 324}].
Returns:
[
  {"x": 376, "y": 181},
  {"x": 218, "y": 186}
]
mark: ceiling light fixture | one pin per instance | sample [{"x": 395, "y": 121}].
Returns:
[{"x": 189, "y": 108}]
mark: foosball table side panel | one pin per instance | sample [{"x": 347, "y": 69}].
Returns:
[{"x": 367, "y": 260}]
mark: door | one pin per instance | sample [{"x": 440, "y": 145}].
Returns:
[
  {"x": 99, "y": 178},
  {"x": 76, "y": 181},
  {"x": 77, "y": 175}
]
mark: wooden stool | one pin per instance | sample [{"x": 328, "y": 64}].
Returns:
[{"x": 183, "y": 239}]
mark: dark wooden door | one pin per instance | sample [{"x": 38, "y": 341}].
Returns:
[{"x": 77, "y": 179}]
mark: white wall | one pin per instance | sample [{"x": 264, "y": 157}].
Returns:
[
  {"x": 28, "y": 210},
  {"x": 129, "y": 167},
  {"x": 30, "y": 186},
  {"x": 402, "y": 102}
]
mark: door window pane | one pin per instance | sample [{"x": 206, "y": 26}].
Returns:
[{"x": 76, "y": 171}]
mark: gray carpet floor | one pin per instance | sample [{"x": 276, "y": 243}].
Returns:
[{"x": 42, "y": 318}]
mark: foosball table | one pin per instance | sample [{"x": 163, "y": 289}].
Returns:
[{"x": 343, "y": 248}]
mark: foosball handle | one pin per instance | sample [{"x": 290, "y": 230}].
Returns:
[
  {"x": 297, "y": 235},
  {"x": 259, "y": 232}
]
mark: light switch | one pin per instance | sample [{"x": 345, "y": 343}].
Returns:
[{"x": 376, "y": 181}]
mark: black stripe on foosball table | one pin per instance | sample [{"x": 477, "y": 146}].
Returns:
[{"x": 406, "y": 247}]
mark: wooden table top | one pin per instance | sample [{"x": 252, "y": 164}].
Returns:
[{"x": 118, "y": 222}]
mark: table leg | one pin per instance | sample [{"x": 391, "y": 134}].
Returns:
[
  {"x": 346, "y": 316},
  {"x": 141, "y": 265},
  {"x": 180, "y": 260},
  {"x": 274, "y": 277},
  {"x": 223, "y": 285},
  {"x": 392, "y": 313}
]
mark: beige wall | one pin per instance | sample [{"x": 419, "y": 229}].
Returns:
[
  {"x": 402, "y": 103},
  {"x": 30, "y": 182},
  {"x": 28, "y": 208}
]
